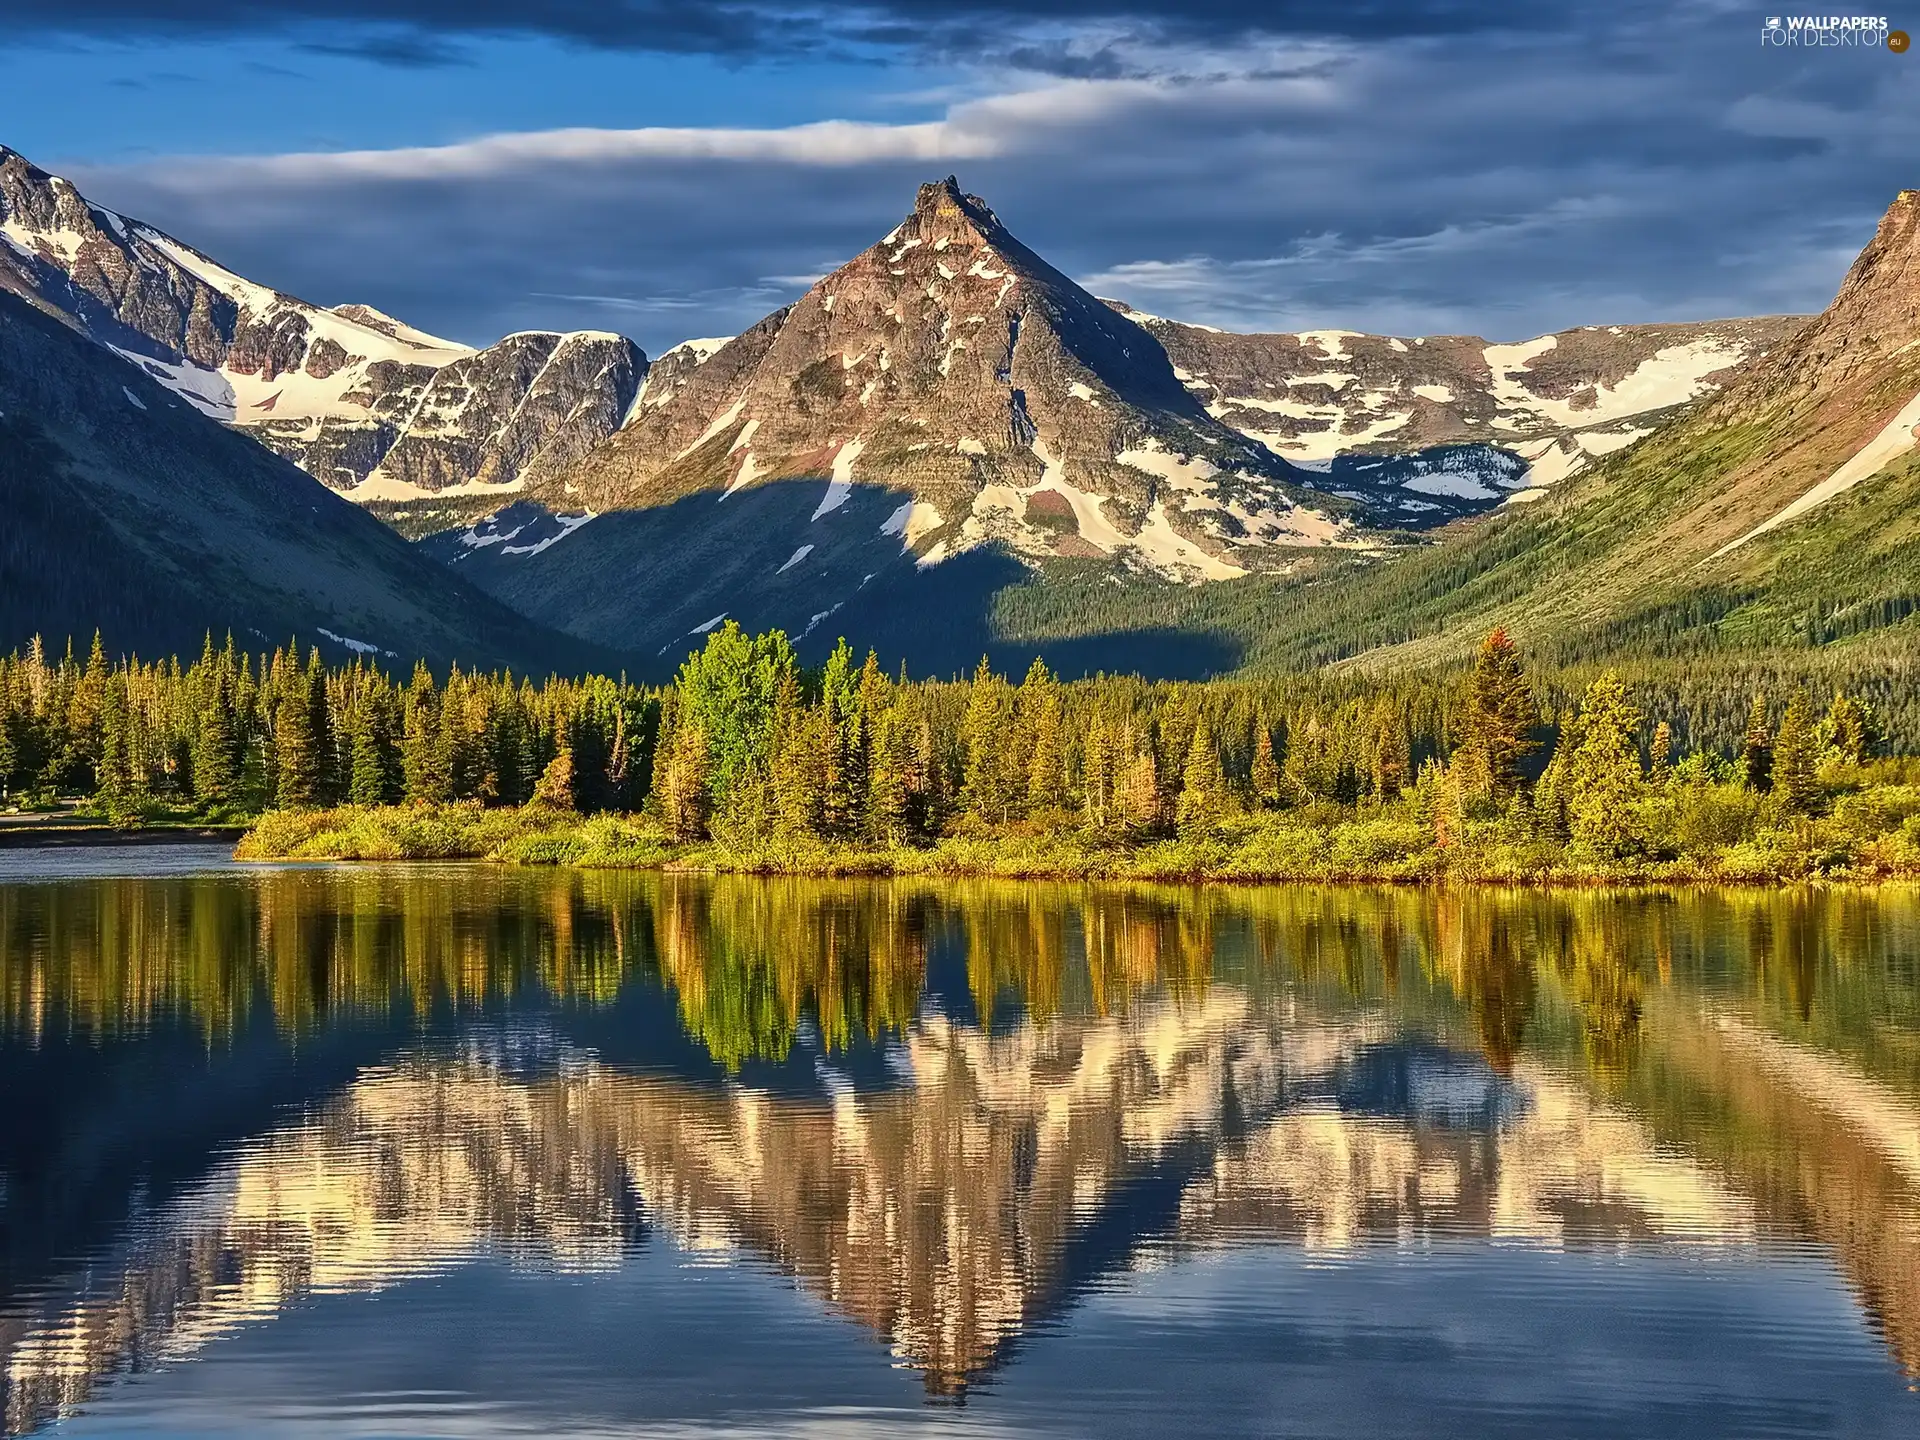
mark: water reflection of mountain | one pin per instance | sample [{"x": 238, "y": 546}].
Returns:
[
  {"x": 947, "y": 1215},
  {"x": 1171, "y": 1077}
]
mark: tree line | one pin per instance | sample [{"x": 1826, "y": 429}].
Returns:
[{"x": 748, "y": 743}]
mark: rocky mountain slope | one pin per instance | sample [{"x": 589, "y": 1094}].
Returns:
[
  {"x": 945, "y": 396},
  {"x": 1556, "y": 400},
  {"x": 129, "y": 510},
  {"x": 954, "y": 365},
  {"x": 1780, "y": 512},
  {"x": 359, "y": 400}
]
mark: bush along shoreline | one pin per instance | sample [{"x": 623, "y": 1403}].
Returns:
[{"x": 748, "y": 762}]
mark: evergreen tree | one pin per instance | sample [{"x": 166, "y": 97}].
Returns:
[
  {"x": 889, "y": 792},
  {"x": 1660, "y": 753},
  {"x": 1391, "y": 761},
  {"x": 799, "y": 802},
  {"x": 367, "y": 778},
  {"x": 320, "y": 726},
  {"x": 1604, "y": 779},
  {"x": 687, "y": 800},
  {"x": 1097, "y": 777},
  {"x": 425, "y": 760},
  {"x": 1046, "y": 778},
  {"x": 297, "y": 750},
  {"x": 216, "y": 749},
  {"x": 663, "y": 746},
  {"x": 1794, "y": 780},
  {"x": 1756, "y": 751},
  {"x": 1501, "y": 714},
  {"x": 1202, "y": 787},
  {"x": 987, "y": 787},
  {"x": 556, "y": 785},
  {"x": 1266, "y": 769},
  {"x": 1142, "y": 793},
  {"x": 115, "y": 792}
]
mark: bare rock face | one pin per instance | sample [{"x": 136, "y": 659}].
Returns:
[
  {"x": 530, "y": 405},
  {"x": 1873, "y": 316},
  {"x": 1555, "y": 400},
  {"x": 358, "y": 399},
  {"x": 952, "y": 365}
]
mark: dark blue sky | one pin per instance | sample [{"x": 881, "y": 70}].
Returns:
[{"x": 672, "y": 169}]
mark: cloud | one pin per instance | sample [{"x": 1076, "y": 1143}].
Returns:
[
  {"x": 1503, "y": 184},
  {"x": 822, "y": 143},
  {"x": 404, "y": 50},
  {"x": 758, "y": 28}
]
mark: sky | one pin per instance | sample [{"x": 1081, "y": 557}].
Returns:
[{"x": 670, "y": 169}]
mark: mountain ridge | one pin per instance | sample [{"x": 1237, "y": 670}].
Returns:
[
  {"x": 132, "y": 512},
  {"x": 369, "y": 405}
]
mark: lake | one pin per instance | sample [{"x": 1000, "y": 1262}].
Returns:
[{"x": 457, "y": 1150}]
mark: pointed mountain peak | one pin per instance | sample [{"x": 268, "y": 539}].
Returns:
[{"x": 941, "y": 211}]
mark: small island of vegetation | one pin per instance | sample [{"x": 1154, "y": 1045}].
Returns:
[{"x": 749, "y": 762}]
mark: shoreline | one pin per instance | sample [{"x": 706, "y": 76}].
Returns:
[
  {"x": 67, "y": 836},
  {"x": 1362, "y": 855},
  {"x": 1436, "y": 883}
]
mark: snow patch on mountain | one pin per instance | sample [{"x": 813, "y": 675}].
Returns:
[
  {"x": 841, "y": 485},
  {"x": 565, "y": 525},
  {"x": 1896, "y": 438}
]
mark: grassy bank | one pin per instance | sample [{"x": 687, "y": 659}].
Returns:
[{"x": 1713, "y": 835}]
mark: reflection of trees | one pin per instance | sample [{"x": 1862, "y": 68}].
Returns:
[
  {"x": 749, "y": 958},
  {"x": 1234, "y": 1053}
]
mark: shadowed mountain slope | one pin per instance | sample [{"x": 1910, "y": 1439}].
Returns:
[{"x": 128, "y": 510}]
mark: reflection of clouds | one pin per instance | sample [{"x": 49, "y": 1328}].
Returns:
[{"x": 945, "y": 1215}]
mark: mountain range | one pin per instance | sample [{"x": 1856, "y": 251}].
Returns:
[
  {"x": 947, "y": 434},
  {"x": 361, "y": 401}
]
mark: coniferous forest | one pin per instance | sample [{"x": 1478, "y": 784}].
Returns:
[{"x": 750, "y": 761}]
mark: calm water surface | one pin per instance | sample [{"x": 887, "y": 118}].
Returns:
[{"x": 463, "y": 1151}]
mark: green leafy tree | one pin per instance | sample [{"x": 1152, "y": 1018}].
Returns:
[
  {"x": 1850, "y": 733},
  {"x": 728, "y": 691}
]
